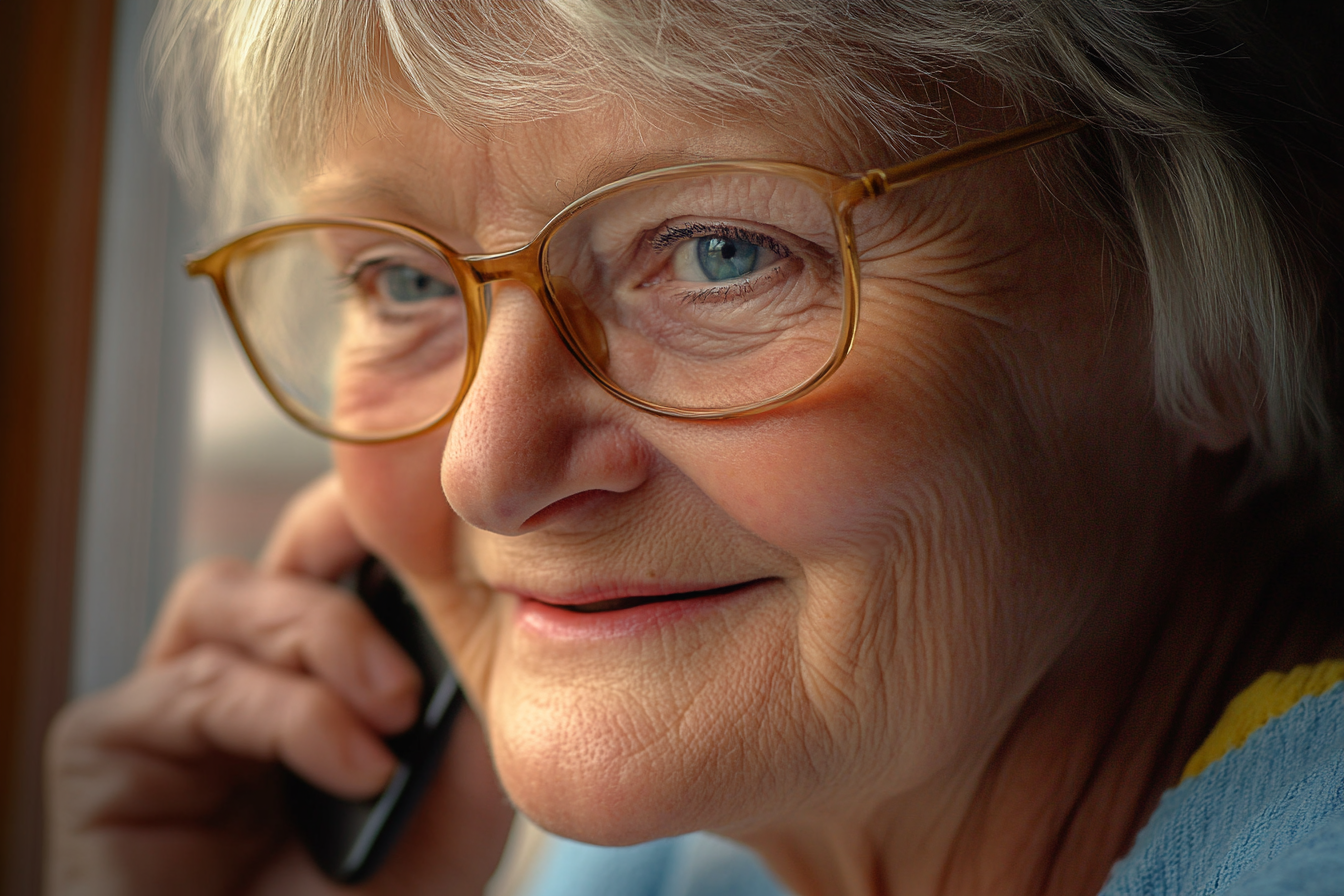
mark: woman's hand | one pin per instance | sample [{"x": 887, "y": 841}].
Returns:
[{"x": 167, "y": 783}]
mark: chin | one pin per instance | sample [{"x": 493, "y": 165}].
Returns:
[
  {"x": 598, "y": 793},
  {"x": 587, "y": 765}
]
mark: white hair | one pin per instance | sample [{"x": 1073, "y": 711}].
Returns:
[{"x": 253, "y": 90}]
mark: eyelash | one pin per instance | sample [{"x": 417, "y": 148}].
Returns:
[
  {"x": 673, "y": 235},
  {"x": 351, "y": 277},
  {"x": 728, "y": 291},
  {"x": 358, "y": 268}
]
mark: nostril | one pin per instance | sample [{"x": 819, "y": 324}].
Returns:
[{"x": 571, "y": 504}]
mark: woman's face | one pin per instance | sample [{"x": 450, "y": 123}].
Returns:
[{"x": 859, "y": 590}]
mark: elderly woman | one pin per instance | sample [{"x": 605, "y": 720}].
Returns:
[{"x": 912, "y": 527}]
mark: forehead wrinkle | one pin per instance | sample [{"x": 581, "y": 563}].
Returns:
[
  {"x": 406, "y": 191},
  {"x": 608, "y": 169},
  {"x": 581, "y": 152},
  {"x": 824, "y": 149},
  {"x": 499, "y": 192},
  {"x": 372, "y": 189}
]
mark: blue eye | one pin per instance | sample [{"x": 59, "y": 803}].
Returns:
[
  {"x": 724, "y": 258},
  {"x": 719, "y": 257},
  {"x": 404, "y": 284}
]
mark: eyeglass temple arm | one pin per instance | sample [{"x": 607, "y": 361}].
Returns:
[{"x": 878, "y": 181}]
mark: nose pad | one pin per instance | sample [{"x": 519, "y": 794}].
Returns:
[{"x": 583, "y": 324}]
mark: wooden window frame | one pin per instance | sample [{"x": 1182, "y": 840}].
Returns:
[{"x": 54, "y": 64}]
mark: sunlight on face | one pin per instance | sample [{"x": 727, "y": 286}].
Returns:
[{"x": 674, "y": 625}]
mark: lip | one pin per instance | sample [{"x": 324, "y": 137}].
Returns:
[{"x": 622, "y": 612}]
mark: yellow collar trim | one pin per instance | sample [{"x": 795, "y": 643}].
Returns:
[{"x": 1272, "y": 694}]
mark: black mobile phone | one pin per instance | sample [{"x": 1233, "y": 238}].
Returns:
[{"x": 349, "y": 839}]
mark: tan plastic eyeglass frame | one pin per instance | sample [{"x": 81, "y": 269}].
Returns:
[{"x": 524, "y": 265}]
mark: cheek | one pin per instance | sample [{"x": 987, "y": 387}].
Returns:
[
  {"x": 801, "y": 494},
  {"x": 399, "y": 512},
  {"x": 396, "y": 504},
  {"x": 933, "y": 521},
  {"x": 851, "y": 467}
]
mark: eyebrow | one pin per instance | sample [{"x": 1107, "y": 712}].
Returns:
[
  {"x": 376, "y": 187},
  {"x": 609, "y": 170}
]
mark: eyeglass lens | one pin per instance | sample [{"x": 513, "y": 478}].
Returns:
[{"x": 691, "y": 292}]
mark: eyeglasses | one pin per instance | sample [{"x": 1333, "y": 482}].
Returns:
[{"x": 707, "y": 291}]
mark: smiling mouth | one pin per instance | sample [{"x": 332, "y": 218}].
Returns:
[{"x": 626, "y": 603}]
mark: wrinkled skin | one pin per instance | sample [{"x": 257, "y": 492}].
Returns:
[{"x": 963, "y": 527}]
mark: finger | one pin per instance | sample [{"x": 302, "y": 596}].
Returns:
[
  {"x": 297, "y": 624},
  {"x": 130, "y": 822},
  {"x": 314, "y": 536},
  {"x": 91, "y": 787},
  {"x": 211, "y": 701}
]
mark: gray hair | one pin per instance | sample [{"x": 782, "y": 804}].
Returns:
[{"x": 253, "y": 90}]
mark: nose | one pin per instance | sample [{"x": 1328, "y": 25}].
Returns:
[{"x": 534, "y": 429}]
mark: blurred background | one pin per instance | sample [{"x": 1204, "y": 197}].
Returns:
[
  {"x": 135, "y": 438},
  {"x": 185, "y": 455}
]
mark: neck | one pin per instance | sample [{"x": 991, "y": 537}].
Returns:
[{"x": 1106, "y": 731}]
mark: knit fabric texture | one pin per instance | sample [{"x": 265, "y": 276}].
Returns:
[
  {"x": 1267, "y": 819},
  {"x": 1272, "y": 694}
]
